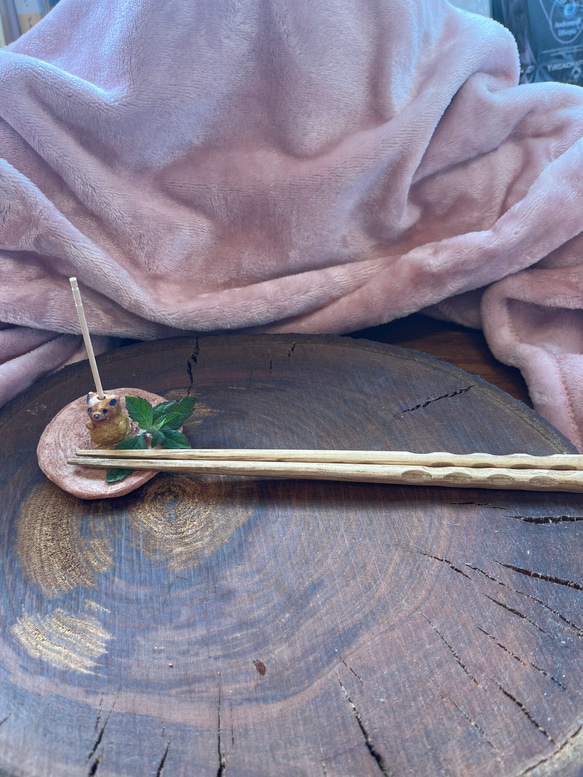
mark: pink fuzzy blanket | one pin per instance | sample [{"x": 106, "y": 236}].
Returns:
[{"x": 287, "y": 166}]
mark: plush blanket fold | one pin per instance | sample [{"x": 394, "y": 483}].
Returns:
[{"x": 287, "y": 165}]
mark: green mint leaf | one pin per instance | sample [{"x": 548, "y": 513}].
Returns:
[
  {"x": 164, "y": 409},
  {"x": 140, "y": 411},
  {"x": 173, "y": 421},
  {"x": 173, "y": 414},
  {"x": 132, "y": 443},
  {"x": 115, "y": 475},
  {"x": 157, "y": 438},
  {"x": 163, "y": 420},
  {"x": 186, "y": 407},
  {"x": 174, "y": 439}
]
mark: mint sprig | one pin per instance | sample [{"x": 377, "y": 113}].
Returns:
[{"x": 160, "y": 423}]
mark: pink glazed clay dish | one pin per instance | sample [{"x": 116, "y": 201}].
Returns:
[{"x": 67, "y": 432}]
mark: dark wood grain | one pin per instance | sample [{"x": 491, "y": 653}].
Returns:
[{"x": 221, "y": 626}]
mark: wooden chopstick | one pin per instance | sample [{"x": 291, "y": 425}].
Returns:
[
  {"x": 557, "y": 461},
  {"x": 559, "y": 472}
]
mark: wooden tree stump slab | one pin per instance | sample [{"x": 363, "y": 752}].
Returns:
[{"x": 237, "y": 628}]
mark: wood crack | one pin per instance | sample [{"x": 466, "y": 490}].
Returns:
[
  {"x": 350, "y": 669},
  {"x": 453, "y": 652},
  {"x": 95, "y": 765},
  {"x": 548, "y": 675},
  {"x": 535, "y": 519},
  {"x": 551, "y": 677},
  {"x": 101, "y": 732},
  {"x": 490, "y": 577},
  {"x": 567, "y": 743},
  {"x": 98, "y": 719},
  {"x": 429, "y": 401},
  {"x": 160, "y": 768},
  {"x": 572, "y": 627},
  {"x": 191, "y": 364},
  {"x": 444, "y": 561},
  {"x": 525, "y": 712},
  {"x": 473, "y": 723},
  {"x": 519, "y": 614},
  {"x": 367, "y": 739},
  {"x": 546, "y": 519},
  {"x": 503, "y": 647},
  {"x": 221, "y": 753},
  {"x": 479, "y": 504},
  {"x": 542, "y": 576}
]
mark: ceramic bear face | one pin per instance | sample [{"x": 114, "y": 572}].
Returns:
[
  {"x": 100, "y": 410},
  {"x": 107, "y": 422}
]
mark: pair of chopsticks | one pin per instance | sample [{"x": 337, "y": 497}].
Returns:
[{"x": 559, "y": 472}]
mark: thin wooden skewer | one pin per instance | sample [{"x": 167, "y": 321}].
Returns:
[
  {"x": 455, "y": 477},
  {"x": 86, "y": 336},
  {"x": 558, "y": 461}
]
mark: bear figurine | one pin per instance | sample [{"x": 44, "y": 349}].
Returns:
[{"x": 108, "y": 424}]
